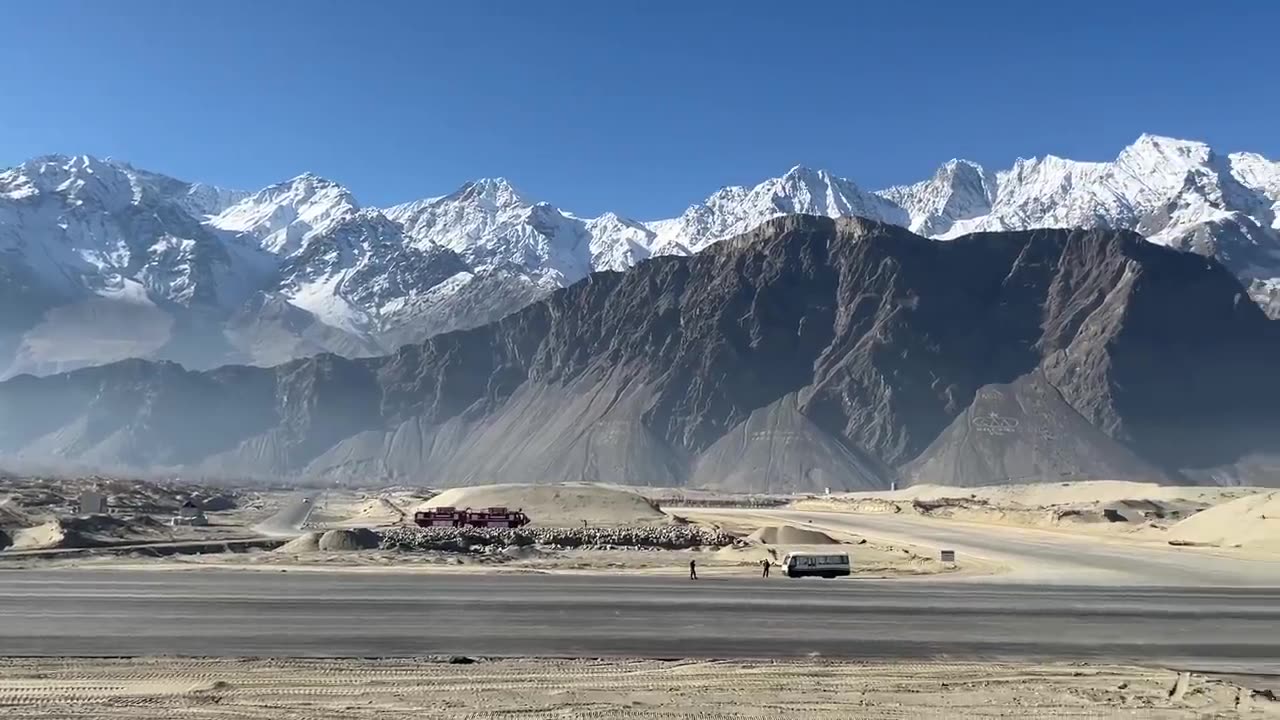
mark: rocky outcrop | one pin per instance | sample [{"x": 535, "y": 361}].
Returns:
[{"x": 843, "y": 346}]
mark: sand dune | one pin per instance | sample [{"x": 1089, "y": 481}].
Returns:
[
  {"x": 791, "y": 535},
  {"x": 346, "y": 540},
  {"x": 1101, "y": 506},
  {"x": 1251, "y": 522},
  {"x": 12, "y": 518},
  {"x": 305, "y": 543},
  {"x": 89, "y": 531},
  {"x": 1066, "y": 493}
]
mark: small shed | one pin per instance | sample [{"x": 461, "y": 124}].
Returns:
[{"x": 190, "y": 514}]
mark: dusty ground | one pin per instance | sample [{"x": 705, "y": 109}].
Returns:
[
  {"x": 556, "y": 506},
  {"x": 39, "y": 513},
  {"x": 371, "y": 507},
  {"x": 1233, "y": 520},
  {"x": 1243, "y": 518},
  {"x": 250, "y": 689},
  {"x": 870, "y": 560}
]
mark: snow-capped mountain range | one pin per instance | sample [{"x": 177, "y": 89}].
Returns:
[{"x": 100, "y": 260}]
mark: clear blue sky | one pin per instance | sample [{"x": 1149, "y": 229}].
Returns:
[{"x": 639, "y": 107}]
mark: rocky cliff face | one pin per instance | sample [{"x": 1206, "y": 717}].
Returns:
[
  {"x": 1024, "y": 431},
  {"x": 809, "y": 353}
]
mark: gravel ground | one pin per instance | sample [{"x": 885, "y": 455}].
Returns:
[{"x": 665, "y": 537}]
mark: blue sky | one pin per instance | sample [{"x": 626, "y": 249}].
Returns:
[{"x": 638, "y": 107}]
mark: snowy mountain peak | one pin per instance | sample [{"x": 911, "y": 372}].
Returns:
[
  {"x": 85, "y": 180},
  {"x": 78, "y": 180},
  {"x": 815, "y": 192},
  {"x": 495, "y": 192},
  {"x": 959, "y": 167},
  {"x": 618, "y": 243},
  {"x": 1159, "y": 162},
  {"x": 1257, "y": 172},
  {"x": 77, "y": 231},
  {"x": 734, "y": 210},
  {"x": 805, "y": 173},
  {"x": 1169, "y": 147},
  {"x": 614, "y": 220},
  {"x": 359, "y": 269},
  {"x": 310, "y": 182},
  {"x": 1175, "y": 192},
  {"x": 284, "y": 215},
  {"x": 960, "y": 190},
  {"x": 494, "y": 227},
  {"x": 204, "y": 201}
]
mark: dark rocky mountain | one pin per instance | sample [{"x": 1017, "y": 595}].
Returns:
[
  {"x": 1024, "y": 431},
  {"x": 810, "y": 353}
]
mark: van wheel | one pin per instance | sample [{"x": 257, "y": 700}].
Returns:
[{"x": 829, "y": 576}]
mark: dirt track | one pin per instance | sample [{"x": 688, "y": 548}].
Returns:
[{"x": 404, "y": 689}]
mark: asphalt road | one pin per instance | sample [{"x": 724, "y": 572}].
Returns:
[
  {"x": 216, "y": 613},
  {"x": 1038, "y": 557}
]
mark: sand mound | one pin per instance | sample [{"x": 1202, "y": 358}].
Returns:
[
  {"x": 557, "y": 505},
  {"x": 1251, "y": 522},
  {"x": 89, "y": 531},
  {"x": 791, "y": 535},
  {"x": 41, "y": 537},
  {"x": 11, "y": 520},
  {"x": 305, "y": 543},
  {"x": 345, "y": 540}
]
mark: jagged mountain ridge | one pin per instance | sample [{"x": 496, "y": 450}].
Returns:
[
  {"x": 100, "y": 261},
  {"x": 855, "y": 342}
]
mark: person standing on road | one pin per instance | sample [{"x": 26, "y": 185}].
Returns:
[
  {"x": 765, "y": 564},
  {"x": 693, "y": 569}
]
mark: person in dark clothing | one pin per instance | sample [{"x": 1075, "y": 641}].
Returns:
[
  {"x": 765, "y": 564},
  {"x": 693, "y": 569}
]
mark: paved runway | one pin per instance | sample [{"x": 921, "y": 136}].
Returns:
[{"x": 207, "y": 612}]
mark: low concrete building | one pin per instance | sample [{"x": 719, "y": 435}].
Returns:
[{"x": 93, "y": 503}]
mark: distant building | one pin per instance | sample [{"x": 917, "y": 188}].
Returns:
[
  {"x": 189, "y": 514},
  {"x": 93, "y": 503}
]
